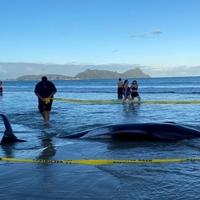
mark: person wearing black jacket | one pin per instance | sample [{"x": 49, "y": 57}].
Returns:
[{"x": 45, "y": 91}]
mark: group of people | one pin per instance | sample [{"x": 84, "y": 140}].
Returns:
[
  {"x": 127, "y": 93},
  {"x": 45, "y": 91}
]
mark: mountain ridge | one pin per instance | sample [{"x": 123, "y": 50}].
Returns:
[
  {"x": 107, "y": 74},
  {"x": 90, "y": 74}
]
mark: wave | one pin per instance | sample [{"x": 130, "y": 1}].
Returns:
[
  {"x": 114, "y": 91},
  {"x": 188, "y": 85}
]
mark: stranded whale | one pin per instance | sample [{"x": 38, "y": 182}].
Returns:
[
  {"x": 168, "y": 131},
  {"x": 8, "y": 136}
]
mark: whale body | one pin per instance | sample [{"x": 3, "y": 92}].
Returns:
[
  {"x": 168, "y": 131},
  {"x": 8, "y": 136}
]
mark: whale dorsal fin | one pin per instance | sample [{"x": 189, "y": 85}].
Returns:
[{"x": 8, "y": 136}]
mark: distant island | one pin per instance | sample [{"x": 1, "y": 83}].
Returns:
[
  {"x": 90, "y": 74},
  {"x": 50, "y": 77}
]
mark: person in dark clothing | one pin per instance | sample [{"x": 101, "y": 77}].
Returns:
[
  {"x": 126, "y": 90},
  {"x": 1, "y": 88},
  {"x": 45, "y": 91},
  {"x": 134, "y": 90},
  {"x": 120, "y": 88}
]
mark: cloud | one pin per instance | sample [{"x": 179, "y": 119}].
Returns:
[
  {"x": 139, "y": 36},
  {"x": 2, "y": 70},
  {"x": 163, "y": 71},
  {"x": 150, "y": 34},
  {"x": 115, "y": 50},
  {"x": 29, "y": 69},
  {"x": 156, "y": 32}
]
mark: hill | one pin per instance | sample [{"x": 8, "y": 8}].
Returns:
[
  {"x": 106, "y": 74},
  {"x": 90, "y": 74}
]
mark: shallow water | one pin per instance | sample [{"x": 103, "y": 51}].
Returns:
[{"x": 121, "y": 181}]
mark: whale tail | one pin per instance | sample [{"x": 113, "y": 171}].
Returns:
[{"x": 8, "y": 136}]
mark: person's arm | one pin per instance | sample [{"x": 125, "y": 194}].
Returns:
[
  {"x": 39, "y": 96},
  {"x": 54, "y": 90},
  {"x": 45, "y": 100},
  {"x": 37, "y": 92},
  {"x": 51, "y": 95}
]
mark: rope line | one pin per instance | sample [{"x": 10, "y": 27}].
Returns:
[
  {"x": 101, "y": 161},
  {"x": 114, "y": 101}
]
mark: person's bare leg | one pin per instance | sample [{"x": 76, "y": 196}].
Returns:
[{"x": 45, "y": 116}]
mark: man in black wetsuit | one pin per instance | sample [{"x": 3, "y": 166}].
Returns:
[{"x": 45, "y": 90}]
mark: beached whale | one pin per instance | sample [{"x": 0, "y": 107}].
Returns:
[
  {"x": 168, "y": 131},
  {"x": 8, "y": 136}
]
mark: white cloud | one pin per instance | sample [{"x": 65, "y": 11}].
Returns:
[
  {"x": 163, "y": 71},
  {"x": 2, "y": 70},
  {"x": 150, "y": 34},
  {"x": 156, "y": 32},
  {"x": 29, "y": 69},
  {"x": 115, "y": 50}
]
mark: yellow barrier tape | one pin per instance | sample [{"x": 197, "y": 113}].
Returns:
[
  {"x": 47, "y": 100},
  {"x": 113, "y": 101},
  {"x": 100, "y": 161}
]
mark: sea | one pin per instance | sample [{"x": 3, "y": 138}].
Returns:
[{"x": 52, "y": 181}]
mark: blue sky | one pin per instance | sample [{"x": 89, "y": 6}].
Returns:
[{"x": 159, "y": 33}]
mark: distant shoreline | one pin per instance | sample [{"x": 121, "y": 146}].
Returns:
[
  {"x": 166, "y": 77},
  {"x": 88, "y": 75}
]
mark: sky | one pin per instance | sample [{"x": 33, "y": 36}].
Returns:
[{"x": 160, "y": 34}]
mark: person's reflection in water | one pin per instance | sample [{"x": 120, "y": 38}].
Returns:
[
  {"x": 130, "y": 110},
  {"x": 49, "y": 149}
]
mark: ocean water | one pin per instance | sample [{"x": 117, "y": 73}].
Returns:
[{"x": 122, "y": 181}]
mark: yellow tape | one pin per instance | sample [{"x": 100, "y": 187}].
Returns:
[
  {"x": 47, "y": 100},
  {"x": 113, "y": 101},
  {"x": 101, "y": 161}
]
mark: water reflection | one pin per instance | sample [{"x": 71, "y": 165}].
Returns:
[
  {"x": 8, "y": 150},
  {"x": 49, "y": 149},
  {"x": 130, "y": 110},
  {"x": 119, "y": 145}
]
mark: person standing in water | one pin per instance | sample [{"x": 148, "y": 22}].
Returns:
[
  {"x": 126, "y": 91},
  {"x": 45, "y": 91},
  {"x": 134, "y": 90},
  {"x": 1, "y": 88},
  {"x": 120, "y": 88}
]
